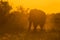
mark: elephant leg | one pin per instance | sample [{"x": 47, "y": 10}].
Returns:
[
  {"x": 35, "y": 26},
  {"x": 29, "y": 26},
  {"x": 41, "y": 25}
]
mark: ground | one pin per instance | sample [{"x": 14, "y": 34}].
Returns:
[{"x": 33, "y": 35}]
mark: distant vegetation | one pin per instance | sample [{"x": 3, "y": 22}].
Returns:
[{"x": 21, "y": 21}]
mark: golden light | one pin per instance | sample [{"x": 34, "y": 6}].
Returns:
[{"x": 49, "y": 6}]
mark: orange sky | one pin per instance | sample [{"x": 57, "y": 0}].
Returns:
[{"x": 49, "y": 6}]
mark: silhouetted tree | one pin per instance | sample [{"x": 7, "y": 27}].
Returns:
[
  {"x": 5, "y": 8},
  {"x": 37, "y": 17},
  {"x": 16, "y": 22},
  {"x": 4, "y": 11},
  {"x": 49, "y": 26},
  {"x": 56, "y": 20},
  {"x": 24, "y": 14}
]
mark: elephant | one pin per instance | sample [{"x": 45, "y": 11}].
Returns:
[{"x": 37, "y": 17}]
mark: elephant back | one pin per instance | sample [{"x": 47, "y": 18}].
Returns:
[{"x": 37, "y": 15}]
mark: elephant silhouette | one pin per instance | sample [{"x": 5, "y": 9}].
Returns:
[{"x": 37, "y": 17}]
